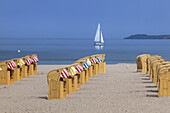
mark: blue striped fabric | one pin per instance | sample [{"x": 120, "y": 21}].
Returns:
[
  {"x": 99, "y": 59},
  {"x": 86, "y": 65}
]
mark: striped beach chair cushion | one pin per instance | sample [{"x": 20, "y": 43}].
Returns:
[
  {"x": 72, "y": 71},
  {"x": 21, "y": 62},
  {"x": 94, "y": 60},
  {"x": 79, "y": 68},
  {"x": 11, "y": 64},
  {"x": 0, "y": 69},
  {"x": 86, "y": 65},
  {"x": 99, "y": 59},
  {"x": 29, "y": 61},
  {"x": 65, "y": 74},
  {"x": 35, "y": 59},
  {"x": 88, "y": 61}
]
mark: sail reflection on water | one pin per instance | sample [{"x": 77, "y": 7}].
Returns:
[{"x": 99, "y": 47}]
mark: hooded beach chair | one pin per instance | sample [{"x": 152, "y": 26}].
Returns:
[
  {"x": 25, "y": 70},
  {"x": 6, "y": 74},
  {"x": 57, "y": 85},
  {"x": 34, "y": 59},
  {"x": 69, "y": 80},
  {"x": 87, "y": 66},
  {"x": 149, "y": 59},
  {"x": 95, "y": 65},
  {"x": 75, "y": 72},
  {"x": 19, "y": 69},
  {"x": 153, "y": 69},
  {"x": 164, "y": 82},
  {"x": 161, "y": 72},
  {"x": 83, "y": 72},
  {"x": 30, "y": 64},
  {"x": 150, "y": 64},
  {"x": 72, "y": 71},
  {"x": 102, "y": 64},
  {"x": 141, "y": 61},
  {"x": 159, "y": 66},
  {"x": 12, "y": 67}
]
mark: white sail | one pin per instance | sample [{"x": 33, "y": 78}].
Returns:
[
  {"x": 101, "y": 36},
  {"x": 97, "y": 37}
]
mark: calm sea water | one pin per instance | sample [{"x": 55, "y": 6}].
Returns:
[{"x": 67, "y": 51}]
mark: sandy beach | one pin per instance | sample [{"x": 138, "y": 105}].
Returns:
[{"x": 119, "y": 90}]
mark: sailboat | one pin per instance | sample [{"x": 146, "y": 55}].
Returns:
[{"x": 98, "y": 41}]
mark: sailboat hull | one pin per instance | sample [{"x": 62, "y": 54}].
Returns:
[{"x": 98, "y": 44}]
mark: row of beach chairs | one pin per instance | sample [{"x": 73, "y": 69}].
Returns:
[
  {"x": 158, "y": 69},
  {"x": 18, "y": 68},
  {"x": 67, "y": 79}
]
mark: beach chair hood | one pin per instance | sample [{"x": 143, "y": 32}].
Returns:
[
  {"x": 35, "y": 59},
  {"x": 99, "y": 59},
  {"x": 65, "y": 74},
  {"x": 21, "y": 62},
  {"x": 88, "y": 61},
  {"x": 11, "y": 64},
  {"x": 73, "y": 71},
  {"x": 86, "y": 65},
  {"x": 94, "y": 60},
  {"x": 79, "y": 68},
  {"x": 29, "y": 61}
]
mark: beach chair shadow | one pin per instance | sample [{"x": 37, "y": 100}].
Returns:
[
  {"x": 45, "y": 97},
  {"x": 151, "y": 95}
]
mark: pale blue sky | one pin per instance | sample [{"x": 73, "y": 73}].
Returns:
[{"x": 79, "y": 18}]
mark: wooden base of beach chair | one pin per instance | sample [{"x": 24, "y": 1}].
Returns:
[
  {"x": 82, "y": 77},
  {"x": 31, "y": 71},
  {"x": 96, "y": 69},
  {"x": 24, "y": 73},
  {"x": 91, "y": 74},
  {"x": 77, "y": 76},
  {"x": 5, "y": 78},
  {"x": 164, "y": 86},
  {"x": 69, "y": 86},
  {"x": 74, "y": 82},
  {"x": 57, "y": 90},
  {"x": 17, "y": 76},
  {"x": 34, "y": 68},
  {"x": 102, "y": 67},
  {"x": 87, "y": 74}
]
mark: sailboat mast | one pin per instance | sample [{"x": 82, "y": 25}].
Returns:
[{"x": 100, "y": 34}]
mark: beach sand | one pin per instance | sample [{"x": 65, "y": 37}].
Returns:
[{"x": 119, "y": 90}]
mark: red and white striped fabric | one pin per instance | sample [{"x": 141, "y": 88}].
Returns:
[
  {"x": 94, "y": 60},
  {"x": 35, "y": 59},
  {"x": 29, "y": 61},
  {"x": 65, "y": 74},
  {"x": 11, "y": 64},
  {"x": 79, "y": 68}
]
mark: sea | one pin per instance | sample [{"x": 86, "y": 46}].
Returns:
[{"x": 55, "y": 51}]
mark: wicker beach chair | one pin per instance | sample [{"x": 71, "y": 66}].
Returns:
[
  {"x": 84, "y": 74},
  {"x": 153, "y": 69},
  {"x": 102, "y": 64},
  {"x": 57, "y": 87},
  {"x": 159, "y": 66},
  {"x": 25, "y": 68},
  {"x": 6, "y": 74},
  {"x": 164, "y": 81},
  {"x": 141, "y": 61},
  {"x": 19, "y": 69},
  {"x": 35, "y": 61},
  {"x": 149, "y": 61}
]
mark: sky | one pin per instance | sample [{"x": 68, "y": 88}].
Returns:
[{"x": 79, "y": 18}]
